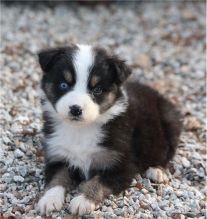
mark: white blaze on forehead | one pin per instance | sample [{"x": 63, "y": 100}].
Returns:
[{"x": 83, "y": 61}]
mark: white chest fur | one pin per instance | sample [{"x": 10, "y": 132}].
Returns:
[{"x": 75, "y": 144}]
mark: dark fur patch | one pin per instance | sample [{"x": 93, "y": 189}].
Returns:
[
  {"x": 56, "y": 173},
  {"x": 55, "y": 63},
  {"x": 110, "y": 72},
  {"x": 48, "y": 126}
]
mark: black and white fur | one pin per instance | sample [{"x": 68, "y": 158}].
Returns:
[{"x": 120, "y": 128}]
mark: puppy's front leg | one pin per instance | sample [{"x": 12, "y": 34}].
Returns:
[
  {"x": 57, "y": 180},
  {"x": 94, "y": 191}
]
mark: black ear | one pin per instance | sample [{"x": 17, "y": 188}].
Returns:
[
  {"x": 48, "y": 57},
  {"x": 121, "y": 69}
]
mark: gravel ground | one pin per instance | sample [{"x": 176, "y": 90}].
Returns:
[{"x": 164, "y": 44}]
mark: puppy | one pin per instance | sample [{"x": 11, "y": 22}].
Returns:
[{"x": 99, "y": 129}]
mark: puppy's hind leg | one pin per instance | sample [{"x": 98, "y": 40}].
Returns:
[
  {"x": 171, "y": 123},
  {"x": 157, "y": 175}
]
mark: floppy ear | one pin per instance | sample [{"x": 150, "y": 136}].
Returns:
[
  {"x": 121, "y": 69},
  {"x": 48, "y": 57}
]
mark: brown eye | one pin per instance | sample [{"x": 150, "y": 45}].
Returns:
[{"x": 97, "y": 91}]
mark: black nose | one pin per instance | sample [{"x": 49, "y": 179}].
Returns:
[{"x": 75, "y": 110}]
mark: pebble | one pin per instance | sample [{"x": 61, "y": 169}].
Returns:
[
  {"x": 7, "y": 178},
  {"x": 109, "y": 215},
  {"x": 179, "y": 193},
  {"x": 23, "y": 171},
  {"x": 144, "y": 61},
  {"x": 131, "y": 210},
  {"x": 141, "y": 197},
  {"x": 163, "y": 203},
  {"x": 109, "y": 209},
  {"x": 185, "y": 162},
  {"x": 15, "y": 128},
  {"x": 18, "y": 153},
  {"x": 18, "y": 179},
  {"x": 107, "y": 202},
  {"x": 118, "y": 211},
  {"x": 22, "y": 147},
  {"x": 104, "y": 208},
  {"x": 144, "y": 191},
  {"x": 192, "y": 123},
  {"x": 6, "y": 140}
]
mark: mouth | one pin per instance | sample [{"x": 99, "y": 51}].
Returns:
[{"x": 76, "y": 119}]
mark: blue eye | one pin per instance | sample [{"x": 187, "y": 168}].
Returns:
[
  {"x": 63, "y": 86},
  {"x": 97, "y": 91}
]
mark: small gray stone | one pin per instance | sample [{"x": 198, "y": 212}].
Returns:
[
  {"x": 6, "y": 140},
  {"x": 104, "y": 208},
  {"x": 118, "y": 211},
  {"x": 22, "y": 147},
  {"x": 7, "y": 177},
  {"x": 155, "y": 206},
  {"x": 120, "y": 203},
  {"x": 109, "y": 215},
  {"x": 141, "y": 197},
  {"x": 163, "y": 203},
  {"x": 23, "y": 171},
  {"x": 131, "y": 201},
  {"x": 131, "y": 210},
  {"x": 9, "y": 161},
  {"x": 18, "y": 153},
  {"x": 109, "y": 209},
  {"x": 18, "y": 179},
  {"x": 107, "y": 202}
]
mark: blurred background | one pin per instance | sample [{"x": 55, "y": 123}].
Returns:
[{"x": 164, "y": 42}]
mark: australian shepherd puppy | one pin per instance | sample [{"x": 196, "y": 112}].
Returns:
[{"x": 100, "y": 129}]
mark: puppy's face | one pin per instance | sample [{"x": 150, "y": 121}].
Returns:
[{"x": 81, "y": 82}]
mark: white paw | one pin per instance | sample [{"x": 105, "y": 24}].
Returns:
[
  {"x": 157, "y": 175},
  {"x": 52, "y": 200},
  {"x": 81, "y": 205}
]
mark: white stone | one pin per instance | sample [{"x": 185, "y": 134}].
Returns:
[
  {"x": 185, "y": 162},
  {"x": 18, "y": 179}
]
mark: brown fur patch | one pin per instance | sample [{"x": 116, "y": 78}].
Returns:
[
  {"x": 94, "y": 80},
  {"x": 68, "y": 77},
  {"x": 94, "y": 190},
  {"x": 48, "y": 89},
  {"x": 109, "y": 100}
]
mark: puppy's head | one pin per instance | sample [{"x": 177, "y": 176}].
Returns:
[{"x": 82, "y": 82}]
